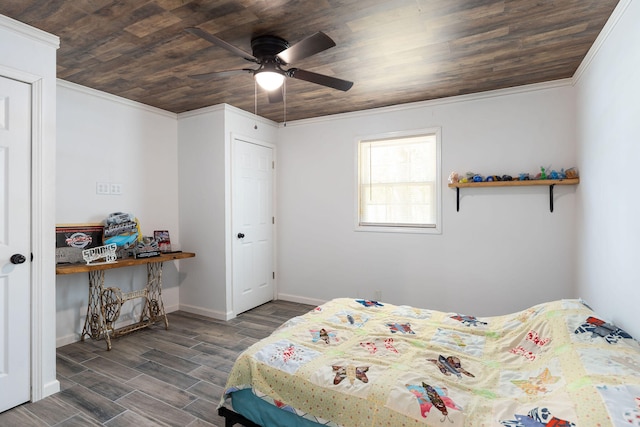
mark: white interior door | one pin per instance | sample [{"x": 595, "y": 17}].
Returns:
[
  {"x": 15, "y": 246},
  {"x": 252, "y": 225}
]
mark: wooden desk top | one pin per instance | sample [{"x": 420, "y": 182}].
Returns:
[{"x": 83, "y": 268}]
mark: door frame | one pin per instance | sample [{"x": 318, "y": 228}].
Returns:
[
  {"x": 41, "y": 243},
  {"x": 233, "y": 136}
]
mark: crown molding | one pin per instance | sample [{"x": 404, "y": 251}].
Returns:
[
  {"x": 124, "y": 101},
  {"x": 435, "y": 102},
  {"x": 202, "y": 111},
  {"x": 611, "y": 23},
  {"x": 114, "y": 98},
  {"x": 30, "y": 32},
  {"x": 227, "y": 107},
  {"x": 250, "y": 115}
]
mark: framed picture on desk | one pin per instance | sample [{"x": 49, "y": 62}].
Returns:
[
  {"x": 72, "y": 239},
  {"x": 164, "y": 242}
]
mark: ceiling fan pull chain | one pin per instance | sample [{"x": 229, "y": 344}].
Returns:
[
  {"x": 255, "y": 103},
  {"x": 284, "y": 99}
]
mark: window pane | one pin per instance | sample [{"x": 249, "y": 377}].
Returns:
[{"x": 397, "y": 181}]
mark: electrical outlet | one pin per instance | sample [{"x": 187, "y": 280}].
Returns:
[
  {"x": 116, "y": 188},
  {"x": 102, "y": 188}
]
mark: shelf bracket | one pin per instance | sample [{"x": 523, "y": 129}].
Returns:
[{"x": 550, "y": 198}]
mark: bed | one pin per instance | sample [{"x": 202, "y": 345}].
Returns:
[{"x": 354, "y": 362}]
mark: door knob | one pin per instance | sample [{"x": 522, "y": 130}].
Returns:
[
  {"x": 240, "y": 235},
  {"x": 17, "y": 259}
]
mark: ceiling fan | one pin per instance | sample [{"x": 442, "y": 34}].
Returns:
[{"x": 272, "y": 53}]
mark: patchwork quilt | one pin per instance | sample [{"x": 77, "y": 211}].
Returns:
[{"x": 353, "y": 362}]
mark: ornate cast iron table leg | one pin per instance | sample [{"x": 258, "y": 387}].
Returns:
[
  {"x": 154, "y": 305},
  {"x": 94, "y": 325}
]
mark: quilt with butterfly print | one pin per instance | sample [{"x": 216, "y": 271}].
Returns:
[{"x": 353, "y": 362}]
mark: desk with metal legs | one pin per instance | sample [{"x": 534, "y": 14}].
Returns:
[{"x": 103, "y": 308}]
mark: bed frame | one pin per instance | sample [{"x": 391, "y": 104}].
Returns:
[{"x": 231, "y": 418}]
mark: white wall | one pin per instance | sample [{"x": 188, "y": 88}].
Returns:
[
  {"x": 502, "y": 252},
  {"x": 205, "y": 204},
  {"x": 201, "y": 154},
  {"x": 608, "y": 117},
  {"x": 103, "y": 138}
]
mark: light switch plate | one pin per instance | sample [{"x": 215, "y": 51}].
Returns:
[
  {"x": 102, "y": 188},
  {"x": 116, "y": 188}
]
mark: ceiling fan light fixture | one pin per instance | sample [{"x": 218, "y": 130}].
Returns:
[
  {"x": 269, "y": 80},
  {"x": 270, "y": 53}
]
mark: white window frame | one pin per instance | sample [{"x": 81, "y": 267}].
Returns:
[{"x": 437, "y": 229}]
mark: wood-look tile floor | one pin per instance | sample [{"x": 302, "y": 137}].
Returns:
[{"x": 153, "y": 377}]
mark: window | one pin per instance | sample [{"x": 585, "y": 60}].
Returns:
[{"x": 399, "y": 182}]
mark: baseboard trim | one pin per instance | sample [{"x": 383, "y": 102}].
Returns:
[
  {"x": 51, "y": 388},
  {"x": 67, "y": 339},
  {"x": 301, "y": 299},
  {"x": 171, "y": 308},
  {"x": 72, "y": 338},
  {"x": 206, "y": 312}
]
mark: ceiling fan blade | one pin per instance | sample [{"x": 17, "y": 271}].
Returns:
[
  {"x": 275, "y": 96},
  {"x": 216, "y": 74},
  {"x": 221, "y": 43},
  {"x": 321, "y": 79},
  {"x": 306, "y": 47}
]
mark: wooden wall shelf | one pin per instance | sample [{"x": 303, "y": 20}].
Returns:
[{"x": 550, "y": 182}]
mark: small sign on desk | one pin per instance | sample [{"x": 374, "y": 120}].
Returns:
[{"x": 146, "y": 248}]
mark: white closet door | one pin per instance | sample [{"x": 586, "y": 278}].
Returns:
[{"x": 252, "y": 225}]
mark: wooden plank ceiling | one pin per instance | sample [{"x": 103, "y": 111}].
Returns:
[{"x": 395, "y": 51}]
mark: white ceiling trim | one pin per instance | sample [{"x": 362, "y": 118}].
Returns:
[
  {"x": 597, "y": 44},
  {"x": 436, "y": 102},
  {"x": 114, "y": 98},
  {"x": 30, "y": 32}
]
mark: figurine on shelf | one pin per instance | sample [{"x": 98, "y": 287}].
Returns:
[
  {"x": 572, "y": 173},
  {"x": 492, "y": 178},
  {"x": 454, "y": 178},
  {"x": 554, "y": 174},
  {"x": 543, "y": 173},
  {"x": 507, "y": 178},
  {"x": 477, "y": 178},
  {"x": 524, "y": 177},
  {"x": 467, "y": 178}
]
